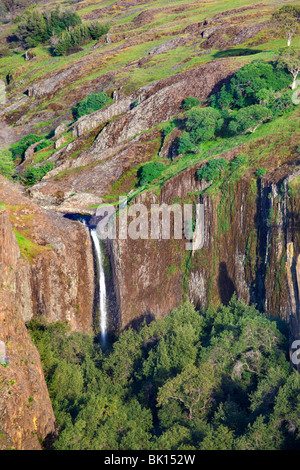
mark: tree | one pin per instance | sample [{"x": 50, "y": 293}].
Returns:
[
  {"x": 245, "y": 87},
  {"x": 190, "y": 102},
  {"x": 289, "y": 58},
  {"x": 90, "y": 104},
  {"x": 185, "y": 144},
  {"x": 193, "y": 388},
  {"x": 212, "y": 169},
  {"x": 287, "y": 18},
  {"x": 249, "y": 119},
  {"x": 150, "y": 172},
  {"x": 203, "y": 124}
]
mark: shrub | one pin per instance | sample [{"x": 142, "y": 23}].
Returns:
[
  {"x": 212, "y": 170},
  {"x": 150, "y": 172},
  {"x": 246, "y": 84},
  {"x": 249, "y": 119},
  {"x": 43, "y": 145},
  {"x": 185, "y": 144},
  {"x": 36, "y": 27},
  {"x": 203, "y": 124},
  {"x": 33, "y": 175},
  {"x": 260, "y": 172},
  {"x": 18, "y": 149},
  {"x": 91, "y": 104},
  {"x": 4, "y": 51},
  {"x": 190, "y": 102},
  {"x": 80, "y": 35}
]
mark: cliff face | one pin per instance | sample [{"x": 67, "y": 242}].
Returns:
[
  {"x": 55, "y": 275},
  {"x": 251, "y": 248},
  {"x": 25, "y": 409}
]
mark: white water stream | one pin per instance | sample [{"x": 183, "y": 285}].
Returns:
[{"x": 102, "y": 285}]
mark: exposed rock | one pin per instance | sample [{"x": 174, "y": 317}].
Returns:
[
  {"x": 8, "y": 108},
  {"x": 30, "y": 151},
  {"x": 61, "y": 141},
  {"x": 61, "y": 129},
  {"x": 51, "y": 84},
  {"x": 25, "y": 409},
  {"x": 55, "y": 277},
  {"x": 169, "y": 45},
  {"x": 7, "y": 135}
]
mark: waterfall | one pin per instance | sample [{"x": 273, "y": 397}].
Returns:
[{"x": 102, "y": 286}]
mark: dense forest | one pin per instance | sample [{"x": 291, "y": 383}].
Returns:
[{"x": 217, "y": 379}]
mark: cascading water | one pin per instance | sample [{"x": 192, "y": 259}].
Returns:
[{"x": 102, "y": 285}]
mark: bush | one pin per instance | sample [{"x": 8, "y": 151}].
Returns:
[
  {"x": 212, "y": 170},
  {"x": 90, "y": 104},
  {"x": 185, "y": 144},
  {"x": 203, "y": 124},
  {"x": 33, "y": 175},
  {"x": 150, "y": 172},
  {"x": 18, "y": 149},
  {"x": 190, "y": 102},
  {"x": 249, "y": 119},
  {"x": 43, "y": 145},
  {"x": 246, "y": 84},
  {"x": 80, "y": 35},
  {"x": 4, "y": 51}
]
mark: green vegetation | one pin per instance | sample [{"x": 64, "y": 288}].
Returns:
[
  {"x": 246, "y": 85},
  {"x": 260, "y": 172},
  {"x": 203, "y": 124},
  {"x": 7, "y": 167},
  {"x": 212, "y": 169},
  {"x": 190, "y": 103},
  {"x": 28, "y": 248},
  {"x": 219, "y": 379},
  {"x": 249, "y": 119},
  {"x": 43, "y": 145},
  {"x": 287, "y": 18},
  {"x": 19, "y": 148},
  {"x": 289, "y": 58},
  {"x": 90, "y": 104},
  {"x": 36, "y": 27},
  {"x": 150, "y": 172},
  {"x": 33, "y": 175},
  {"x": 70, "y": 41}
]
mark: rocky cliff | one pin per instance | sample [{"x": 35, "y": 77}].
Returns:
[{"x": 55, "y": 272}]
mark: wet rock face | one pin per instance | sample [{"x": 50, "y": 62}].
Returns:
[
  {"x": 26, "y": 413},
  {"x": 55, "y": 275},
  {"x": 252, "y": 251},
  {"x": 123, "y": 142}
]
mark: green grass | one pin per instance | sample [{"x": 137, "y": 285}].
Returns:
[{"x": 29, "y": 249}]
